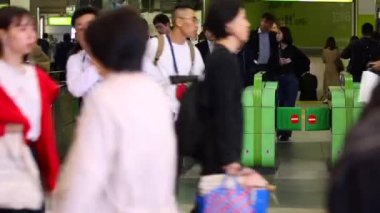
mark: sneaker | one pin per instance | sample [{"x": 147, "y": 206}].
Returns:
[{"x": 283, "y": 138}]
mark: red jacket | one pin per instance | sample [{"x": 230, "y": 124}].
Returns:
[{"x": 46, "y": 150}]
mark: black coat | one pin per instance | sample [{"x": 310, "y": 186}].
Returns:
[
  {"x": 355, "y": 186},
  {"x": 250, "y": 53},
  {"x": 204, "y": 49},
  {"x": 361, "y": 52},
  {"x": 223, "y": 87}
]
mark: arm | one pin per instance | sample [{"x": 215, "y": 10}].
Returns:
[
  {"x": 199, "y": 66},
  {"x": 227, "y": 96},
  {"x": 159, "y": 75},
  {"x": 346, "y": 53},
  {"x": 89, "y": 162},
  {"x": 80, "y": 78}
]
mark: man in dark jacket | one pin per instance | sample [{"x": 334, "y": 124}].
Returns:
[
  {"x": 206, "y": 46},
  {"x": 361, "y": 52},
  {"x": 261, "y": 51},
  {"x": 62, "y": 53}
]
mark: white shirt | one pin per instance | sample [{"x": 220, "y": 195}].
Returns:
[
  {"x": 211, "y": 45},
  {"x": 165, "y": 66},
  {"x": 22, "y": 86},
  {"x": 113, "y": 165},
  {"x": 81, "y": 75}
]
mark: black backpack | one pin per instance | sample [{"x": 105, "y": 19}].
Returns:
[{"x": 191, "y": 122}]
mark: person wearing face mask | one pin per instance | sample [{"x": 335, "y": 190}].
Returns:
[
  {"x": 29, "y": 162},
  {"x": 81, "y": 75},
  {"x": 293, "y": 63}
]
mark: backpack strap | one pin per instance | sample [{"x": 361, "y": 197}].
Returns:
[
  {"x": 192, "y": 54},
  {"x": 160, "y": 49}
]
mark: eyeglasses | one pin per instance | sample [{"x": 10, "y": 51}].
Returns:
[{"x": 194, "y": 19}]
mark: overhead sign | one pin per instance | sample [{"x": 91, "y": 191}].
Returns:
[{"x": 59, "y": 21}]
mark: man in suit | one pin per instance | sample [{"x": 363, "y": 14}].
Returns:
[
  {"x": 261, "y": 52},
  {"x": 205, "y": 47}
]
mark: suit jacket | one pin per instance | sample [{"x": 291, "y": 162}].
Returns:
[
  {"x": 45, "y": 146},
  {"x": 250, "y": 53},
  {"x": 204, "y": 49}
]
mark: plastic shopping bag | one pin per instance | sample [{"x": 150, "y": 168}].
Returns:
[
  {"x": 367, "y": 85},
  {"x": 230, "y": 197}
]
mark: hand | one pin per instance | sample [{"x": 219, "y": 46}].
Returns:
[
  {"x": 284, "y": 61},
  {"x": 375, "y": 66},
  {"x": 233, "y": 169},
  {"x": 254, "y": 179}
]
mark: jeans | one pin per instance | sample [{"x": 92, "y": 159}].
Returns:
[{"x": 287, "y": 94}]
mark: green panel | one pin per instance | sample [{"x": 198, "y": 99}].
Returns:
[
  {"x": 248, "y": 120},
  {"x": 269, "y": 97},
  {"x": 337, "y": 97},
  {"x": 268, "y": 150},
  {"x": 322, "y": 122},
  {"x": 337, "y": 146},
  {"x": 310, "y": 22},
  {"x": 268, "y": 120},
  {"x": 247, "y": 96},
  {"x": 339, "y": 121},
  {"x": 271, "y": 85},
  {"x": 284, "y": 115},
  {"x": 247, "y": 152},
  {"x": 356, "y": 98}
]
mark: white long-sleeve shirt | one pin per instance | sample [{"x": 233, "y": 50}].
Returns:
[
  {"x": 81, "y": 75},
  {"x": 23, "y": 88},
  {"x": 123, "y": 158},
  {"x": 165, "y": 66}
]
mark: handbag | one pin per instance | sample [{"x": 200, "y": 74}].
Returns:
[
  {"x": 367, "y": 85},
  {"x": 229, "y": 196},
  {"x": 20, "y": 183},
  {"x": 339, "y": 65}
]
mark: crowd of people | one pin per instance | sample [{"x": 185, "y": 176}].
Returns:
[{"x": 125, "y": 156}]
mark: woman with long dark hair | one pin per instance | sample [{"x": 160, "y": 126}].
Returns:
[{"x": 330, "y": 56}]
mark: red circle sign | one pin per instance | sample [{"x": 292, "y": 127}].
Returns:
[
  {"x": 312, "y": 119},
  {"x": 294, "y": 119}
]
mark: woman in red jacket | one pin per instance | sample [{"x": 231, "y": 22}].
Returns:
[{"x": 26, "y": 98}]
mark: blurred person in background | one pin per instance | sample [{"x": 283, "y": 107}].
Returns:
[
  {"x": 123, "y": 158},
  {"x": 44, "y": 43},
  {"x": 81, "y": 73},
  {"x": 330, "y": 56},
  {"x": 206, "y": 46},
  {"x": 29, "y": 163},
  {"x": 62, "y": 53},
  {"x": 162, "y": 24}
]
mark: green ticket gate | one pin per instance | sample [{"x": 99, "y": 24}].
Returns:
[
  {"x": 345, "y": 111},
  {"x": 259, "y": 124}
]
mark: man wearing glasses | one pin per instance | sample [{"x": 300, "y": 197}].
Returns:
[{"x": 174, "y": 55}]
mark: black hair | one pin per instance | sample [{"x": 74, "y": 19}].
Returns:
[
  {"x": 12, "y": 15},
  {"x": 219, "y": 14},
  {"x": 367, "y": 29},
  {"x": 123, "y": 46},
  {"x": 268, "y": 17},
  {"x": 287, "y": 37},
  {"x": 66, "y": 37},
  {"x": 83, "y": 11},
  {"x": 45, "y": 35},
  {"x": 354, "y": 38},
  {"x": 181, "y": 6},
  {"x": 161, "y": 18},
  {"x": 330, "y": 43}
]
